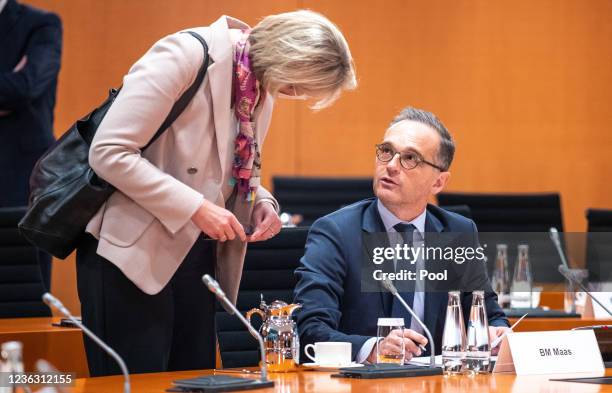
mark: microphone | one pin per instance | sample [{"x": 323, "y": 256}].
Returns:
[
  {"x": 565, "y": 270},
  {"x": 388, "y": 285},
  {"x": 554, "y": 236},
  {"x": 55, "y": 303},
  {"x": 215, "y": 288}
]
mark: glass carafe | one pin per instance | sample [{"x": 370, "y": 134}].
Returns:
[
  {"x": 500, "y": 281},
  {"x": 478, "y": 355},
  {"x": 521, "y": 289},
  {"x": 453, "y": 338}
]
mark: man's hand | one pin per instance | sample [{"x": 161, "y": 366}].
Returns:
[
  {"x": 218, "y": 223},
  {"x": 494, "y": 332},
  {"x": 392, "y": 344},
  {"x": 266, "y": 222}
]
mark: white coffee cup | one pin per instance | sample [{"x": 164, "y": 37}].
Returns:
[{"x": 334, "y": 354}]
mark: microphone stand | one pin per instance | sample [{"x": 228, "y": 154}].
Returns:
[
  {"x": 215, "y": 288},
  {"x": 567, "y": 273},
  {"x": 388, "y": 285},
  {"x": 565, "y": 270},
  {"x": 55, "y": 303}
]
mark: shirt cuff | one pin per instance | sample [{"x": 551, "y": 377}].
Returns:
[{"x": 366, "y": 350}]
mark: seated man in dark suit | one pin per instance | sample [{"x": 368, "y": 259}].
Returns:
[{"x": 412, "y": 165}]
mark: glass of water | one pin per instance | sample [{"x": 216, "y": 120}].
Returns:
[{"x": 385, "y": 327}]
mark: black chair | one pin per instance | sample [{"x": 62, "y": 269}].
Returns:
[
  {"x": 513, "y": 219},
  {"x": 463, "y": 210},
  {"x": 599, "y": 245},
  {"x": 599, "y": 220},
  {"x": 314, "y": 197},
  {"x": 510, "y": 212},
  {"x": 268, "y": 270},
  {"x": 21, "y": 282}
]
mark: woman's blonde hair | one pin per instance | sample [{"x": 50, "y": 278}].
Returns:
[{"x": 303, "y": 49}]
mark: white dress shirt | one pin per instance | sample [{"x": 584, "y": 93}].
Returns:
[{"x": 389, "y": 221}]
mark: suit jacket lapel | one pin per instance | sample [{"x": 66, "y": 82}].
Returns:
[
  {"x": 220, "y": 78},
  {"x": 372, "y": 224},
  {"x": 432, "y": 299}
]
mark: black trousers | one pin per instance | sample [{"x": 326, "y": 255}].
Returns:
[{"x": 170, "y": 331}]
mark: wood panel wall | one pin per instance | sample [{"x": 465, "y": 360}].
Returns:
[{"x": 524, "y": 86}]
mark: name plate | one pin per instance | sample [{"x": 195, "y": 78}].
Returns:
[{"x": 551, "y": 352}]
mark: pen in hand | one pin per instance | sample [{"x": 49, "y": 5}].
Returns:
[{"x": 500, "y": 338}]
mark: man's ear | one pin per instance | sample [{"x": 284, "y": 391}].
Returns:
[{"x": 440, "y": 182}]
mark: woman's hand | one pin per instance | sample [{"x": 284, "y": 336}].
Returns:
[
  {"x": 266, "y": 222},
  {"x": 218, "y": 223}
]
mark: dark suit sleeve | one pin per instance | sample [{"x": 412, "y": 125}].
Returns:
[
  {"x": 43, "y": 63},
  {"x": 496, "y": 315},
  {"x": 320, "y": 288}
]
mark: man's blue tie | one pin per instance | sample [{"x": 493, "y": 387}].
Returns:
[{"x": 397, "y": 310}]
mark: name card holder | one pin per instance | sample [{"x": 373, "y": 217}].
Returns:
[{"x": 550, "y": 352}]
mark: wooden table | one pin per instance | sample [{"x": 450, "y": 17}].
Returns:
[
  {"x": 320, "y": 382},
  {"x": 540, "y": 324},
  {"x": 63, "y": 347}
]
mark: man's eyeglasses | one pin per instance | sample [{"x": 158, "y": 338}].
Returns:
[{"x": 408, "y": 160}]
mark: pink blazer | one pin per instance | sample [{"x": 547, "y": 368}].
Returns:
[{"x": 145, "y": 227}]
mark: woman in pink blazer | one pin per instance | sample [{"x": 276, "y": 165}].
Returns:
[{"x": 140, "y": 267}]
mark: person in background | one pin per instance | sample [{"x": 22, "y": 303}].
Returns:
[
  {"x": 411, "y": 165},
  {"x": 30, "y": 56},
  {"x": 140, "y": 267}
]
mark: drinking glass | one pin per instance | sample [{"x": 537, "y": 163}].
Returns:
[{"x": 385, "y": 327}]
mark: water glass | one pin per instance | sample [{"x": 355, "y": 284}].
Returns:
[{"x": 385, "y": 327}]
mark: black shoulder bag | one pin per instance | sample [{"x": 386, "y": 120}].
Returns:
[{"x": 65, "y": 193}]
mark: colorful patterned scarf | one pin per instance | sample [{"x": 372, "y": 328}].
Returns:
[{"x": 247, "y": 161}]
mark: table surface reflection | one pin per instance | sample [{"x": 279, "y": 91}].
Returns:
[{"x": 318, "y": 382}]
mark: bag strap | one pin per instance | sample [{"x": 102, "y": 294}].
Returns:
[{"x": 186, "y": 97}]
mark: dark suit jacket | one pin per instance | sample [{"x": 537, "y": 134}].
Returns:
[
  {"x": 329, "y": 279},
  {"x": 28, "y": 95}
]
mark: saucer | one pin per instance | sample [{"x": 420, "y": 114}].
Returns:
[{"x": 317, "y": 367}]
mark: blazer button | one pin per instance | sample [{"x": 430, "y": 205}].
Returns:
[{"x": 192, "y": 170}]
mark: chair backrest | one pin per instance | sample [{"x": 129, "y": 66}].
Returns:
[
  {"x": 525, "y": 218},
  {"x": 463, "y": 210},
  {"x": 314, "y": 197},
  {"x": 269, "y": 270},
  {"x": 599, "y": 220},
  {"x": 21, "y": 283},
  {"x": 510, "y": 212},
  {"x": 599, "y": 245}
]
